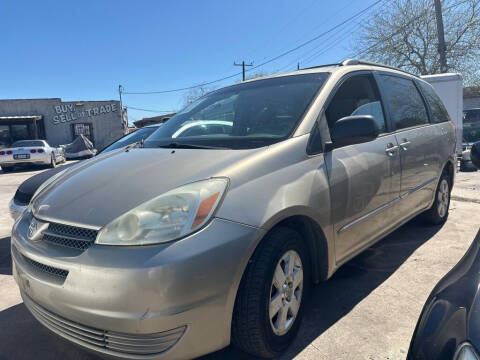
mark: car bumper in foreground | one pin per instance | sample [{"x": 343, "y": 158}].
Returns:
[{"x": 170, "y": 301}]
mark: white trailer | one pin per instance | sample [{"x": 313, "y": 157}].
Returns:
[{"x": 449, "y": 87}]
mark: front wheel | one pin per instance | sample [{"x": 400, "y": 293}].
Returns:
[
  {"x": 270, "y": 300},
  {"x": 438, "y": 213}
]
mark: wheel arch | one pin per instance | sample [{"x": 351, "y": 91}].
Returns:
[
  {"x": 303, "y": 221},
  {"x": 449, "y": 168},
  {"x": 314, "y": 239}
]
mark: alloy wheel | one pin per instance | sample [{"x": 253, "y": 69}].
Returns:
[
  {"x": 443, "y": 198},
  {"x": 286, "y": 292}
]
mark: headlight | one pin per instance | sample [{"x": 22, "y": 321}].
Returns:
[
  {"x": 466, "y": 352},
  {"x": 167, "y": 217},
  {"x": 48, "y": 182}
]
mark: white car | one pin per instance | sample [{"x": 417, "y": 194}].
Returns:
[{"x": 30, "y": 152}]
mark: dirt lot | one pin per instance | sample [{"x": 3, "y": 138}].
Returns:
[{"x": 368, "y": 310}]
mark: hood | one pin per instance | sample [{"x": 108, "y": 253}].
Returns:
[{"x": 98, "y": 190}]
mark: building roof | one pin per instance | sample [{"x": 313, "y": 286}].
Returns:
[{"x": 152, "y": 120}]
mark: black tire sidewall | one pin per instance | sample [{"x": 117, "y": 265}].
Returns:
[{"x": 291, "y": 241}]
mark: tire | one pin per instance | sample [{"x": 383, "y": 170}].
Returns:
[
  {"x": 53, "y": 163},
  {"x": 438, "y": 213},
  {"x": 254, "y": 330}
]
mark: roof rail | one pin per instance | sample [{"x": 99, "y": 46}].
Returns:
[
  {"x": 320, "y": 66},
  {"x": 347, "y": 62}
]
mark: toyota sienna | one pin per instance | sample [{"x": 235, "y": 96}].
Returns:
[{"x": 212, "y": 233}]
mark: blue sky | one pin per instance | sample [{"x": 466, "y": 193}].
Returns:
[{"x": 82, "y": 50}]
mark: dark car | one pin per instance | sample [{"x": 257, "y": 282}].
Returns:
[
  {"x": 449, "y": 326},
  {"x": 28, "y": 188}
]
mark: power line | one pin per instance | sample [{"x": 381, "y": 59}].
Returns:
[
  {"x": 317, "y": 37},
  {"x": 263, "y": 63},
  {"x": 328, "y": 44},
  {"x": 150, "y": 110}
]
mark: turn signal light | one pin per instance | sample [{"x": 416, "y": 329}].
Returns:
[{"x": 204, "y": 209}]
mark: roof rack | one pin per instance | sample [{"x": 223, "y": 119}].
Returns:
[
  {"x": 321, "y": 66},
  {"x": 362, "y": 62},
  {"x": 348, "y": 62}
]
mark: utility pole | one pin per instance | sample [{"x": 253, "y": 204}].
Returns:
[
  {"x": 441, "y": 38},
  {"x": 120, "y": 89},
  {"x": 243, "y": 67},
  {"x": 298, "y": 66}
]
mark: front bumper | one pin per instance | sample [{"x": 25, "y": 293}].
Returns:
[
  {"x": 140, "y": 291},
  {"x": 16, "y": 209}
]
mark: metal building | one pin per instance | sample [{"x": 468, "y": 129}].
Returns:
[{"x": 60, "y": 122}]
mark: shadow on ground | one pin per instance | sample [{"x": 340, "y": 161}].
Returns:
[
  {"x": 24, "y": 169},
  {"x": 22, "y": 337}
]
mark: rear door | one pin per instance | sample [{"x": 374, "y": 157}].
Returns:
[
  {"x": 364, "y": 178},
  {"x": 417, "y": 140}
]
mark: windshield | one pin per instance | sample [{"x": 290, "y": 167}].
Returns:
[
  {"x": 131, "y": 138},
  {"x": 243, "y": 116},
  {"x": 25, "y": 143}
]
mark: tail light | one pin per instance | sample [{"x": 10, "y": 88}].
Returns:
[
  {"x": 9, "y": 152},
  {"x": 2, "y": 152},
  {"x": 40, "y": 150},
  {"x": 33, "y": 151}
]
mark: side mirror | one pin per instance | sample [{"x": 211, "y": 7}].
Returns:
[
  {"x": 475, "y": 154},
  {"x": 354, "y": 129}
]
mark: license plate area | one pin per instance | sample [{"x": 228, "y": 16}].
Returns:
[{"x": 21, "y": 156}]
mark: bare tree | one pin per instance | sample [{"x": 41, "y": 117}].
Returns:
[
  {"x": 404, "y": 34},
  {"x": 195, "y": 93}
]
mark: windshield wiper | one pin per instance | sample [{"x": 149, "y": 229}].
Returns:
[{"x": 175, "y": 145}]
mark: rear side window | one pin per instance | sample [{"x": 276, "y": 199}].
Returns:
[
  {"x": 404, "y": 101},
  {"x": 439, "y": 113},
  {"x": 358, "y": 95}
]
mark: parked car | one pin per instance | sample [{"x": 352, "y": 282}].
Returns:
[
  {"x": 30, "y": 152},
  {"x": 25, "y": 191},
  {"x": 185, "y": 245},
  {"x": 471, "y": 130},
  {"x": 449, "y": 327}
]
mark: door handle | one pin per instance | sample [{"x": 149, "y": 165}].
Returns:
[
  {"x": 390, "y": 149},
  {"x": 405, "y": 144}
]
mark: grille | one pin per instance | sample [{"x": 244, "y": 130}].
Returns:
[
  {"x": 50, "y": 270},
  {"x": 105, "y": 340},
  {"x": 69, "y": 236}
]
